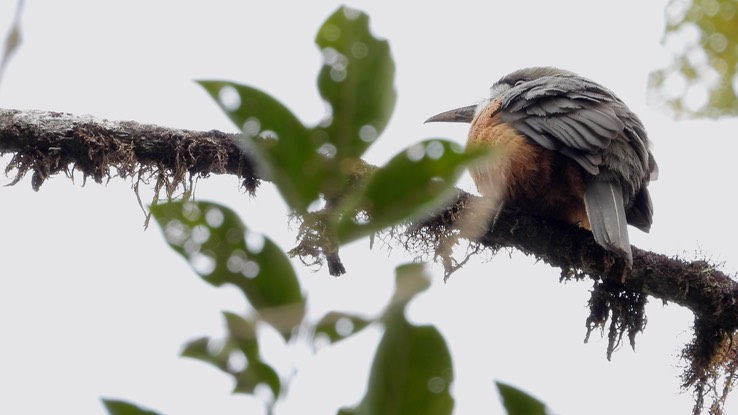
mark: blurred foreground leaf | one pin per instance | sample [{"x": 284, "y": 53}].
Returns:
[
  {"x": 413, "y": 182},
  {"x": 356, "y": 80},
  {"x": 338, "y": 326},
  {"x": 412, "y": 370},
  {"x": 238, "y": 355},
  {"x": 284, "y": 149},
  {"x": 116, "y": 407},
  {"x": 517, "y": 402},
  {"x": 222, "y": 250}
]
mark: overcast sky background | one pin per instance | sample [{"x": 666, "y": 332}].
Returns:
[{"x": 92, "y": 305}]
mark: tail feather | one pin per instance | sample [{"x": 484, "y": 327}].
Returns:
[{"x": 606, "y": 212}]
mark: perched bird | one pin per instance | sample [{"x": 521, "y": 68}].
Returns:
[{"x": 571, "y": 150}]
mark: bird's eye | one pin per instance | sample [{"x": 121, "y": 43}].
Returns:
[{"x": 519, "y": 82}]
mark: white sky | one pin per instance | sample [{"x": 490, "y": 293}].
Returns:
[{"x": 91, "y": 305}]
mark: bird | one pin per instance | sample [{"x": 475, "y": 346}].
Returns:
[{"x": 571, "y": 150}]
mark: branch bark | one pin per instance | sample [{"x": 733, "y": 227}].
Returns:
[
  {"x": 698, "y": 285},
  {"x": 48, "y": 143}
]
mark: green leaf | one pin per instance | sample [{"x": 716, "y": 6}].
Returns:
[
  {"x": 198, "y": 349},
  {"x": 243, "y": 333},
  {"x": 228, "y": 356},
  {"x": 410, "y": 279},
  {"x": 283, "y": 148},
  {"x": 338, "y": 326},
  {"x": 222, "y": 250},
  {"x": 255, "y": 374},
  {"x": 411, "y": 373},
  {"x": 357, "y": 81},
  {"x": 116, "y": 407},
  {"x": 517, "y": 402},
  {"x": 412, "y": 369},
  {"x": 413, "y": 183}
]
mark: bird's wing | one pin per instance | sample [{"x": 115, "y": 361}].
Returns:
[
  {"x": 573, "y": 116},
  {"x": 640, "y": 213},
  {"x": 580, "y": 119}
]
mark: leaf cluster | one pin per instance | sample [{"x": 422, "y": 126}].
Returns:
[
  {"x": 339, "y": 198},
  {"x": 318, "y": 169},
  {"x": 321, "y": 166}
]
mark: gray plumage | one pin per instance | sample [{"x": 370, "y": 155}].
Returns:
[
  {"x": 606, "y": 212},
  {"x": 587, "y": 122}
]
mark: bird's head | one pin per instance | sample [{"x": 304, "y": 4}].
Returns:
[{"x": 505, "y": 84}]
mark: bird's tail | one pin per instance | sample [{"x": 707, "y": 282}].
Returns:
[{"x": 606, "y": 211}]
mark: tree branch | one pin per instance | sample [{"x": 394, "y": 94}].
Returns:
[
  {"x": 619, "y": 293},
  {"x": 697, "y": 285},
  {"x": 48, "y": 143}
]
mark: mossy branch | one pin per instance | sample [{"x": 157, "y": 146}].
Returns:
[
  {"x": 46, "y": 143},
  {"x": 49, "y": 143}
]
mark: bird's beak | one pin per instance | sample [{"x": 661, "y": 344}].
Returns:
[{"x": 463, "y": 114}]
